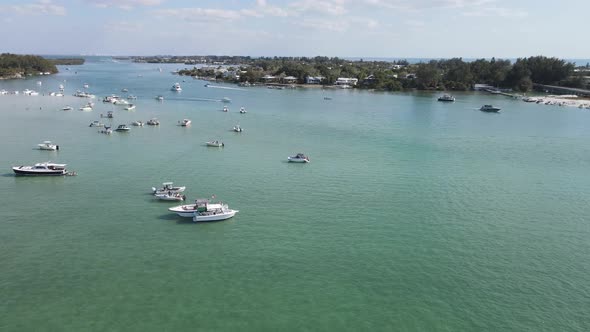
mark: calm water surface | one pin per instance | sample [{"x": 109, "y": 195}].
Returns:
[{"x": 413, "y": 215}]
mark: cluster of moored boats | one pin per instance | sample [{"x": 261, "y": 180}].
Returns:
[
  {"x": 484, "y": 108},
  {"x": 201, "y": 210}
]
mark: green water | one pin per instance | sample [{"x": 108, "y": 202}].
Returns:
[{"x": 413, "y": 215}]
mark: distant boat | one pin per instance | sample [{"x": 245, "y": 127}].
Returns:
[
  {"x": 225, "y": 100},
  {"x": 216, "y": 144},
  {"x": 131, "y": 107},
  {"x": 67, "y": 108},
  {"x": 123, "y": 128},
  {"x": 242, "y": 110},
  {"x": 489, "y": 108},
  {"x": 176, "y": 87},
  {"x": 298, "y": 158},
  {"x": 160, "y": 98},
  {"x": 238, "y": 129},
  {"x": 47, "y": 145},
  {"x": 153, "y": 122},
  {"x": 446, "y": 97},
  {"x": 96, "y": 123},
  {"x": 184, "y": 123}
]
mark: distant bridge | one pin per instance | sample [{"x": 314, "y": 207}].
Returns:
[{"x": 562, "y": 90}]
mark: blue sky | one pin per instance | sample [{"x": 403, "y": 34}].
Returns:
[{"x": 345, "y": 28}]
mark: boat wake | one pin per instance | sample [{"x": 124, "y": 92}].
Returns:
[{"x": 224, "y": 87}]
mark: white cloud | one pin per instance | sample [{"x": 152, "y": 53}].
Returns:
[
  {"x": 42, "y": 7},
  {"x": 322, "y": 24},
  {"x": 496, "y": 12},
  {"x": 329, "y": 7},
  {"x": 124, "y": 27},
  {"x": 412, "y": 5},
  {"x": 124, "y": 4},
  {"x": 201, "y": 14}
]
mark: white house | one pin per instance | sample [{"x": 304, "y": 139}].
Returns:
[
  {"x": 289, "y": 79},
  {"x": 346, "y": 81}
]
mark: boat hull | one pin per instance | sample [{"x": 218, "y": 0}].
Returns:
[
  {"x": 20, "y": 171},
  {"x": 214, "y": 217},
  {"x": 297, "y": 160},
  {"x": 185, "y": 211},
  {"x": 166, "y": 197}
]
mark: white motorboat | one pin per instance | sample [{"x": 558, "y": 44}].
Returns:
[
  {"x": 86, "y": 108},
  {"x": 122, "y": 128},
  {"x": 170, "y": 196},
  {"x": 216, "y": 144},
  {"x": 203, "y": 210},
  {"x": 160, "y": 98},
  {"x": 153, "y": 122},
  {"x": 238, "y": 129},
  {"x": 131, "y": 107},
  {"x": 137, "y": 123},
  {"x": 131, "y": 97},
  {"x": 106, "y": 130},
  {"x": 47, "y": 168},
  {"x": 242, "y": 110},
  {"x": 86, "y": 85},
  {"x": 124, "y": 90},
  {"x": 47, "y": 145},
  {"x": 446, "y": 97},
  {"x": 176, "y": 87},
  {"x": 184, "y": 123},
  {"x": 489, "y": 108},
  {"x": 67, "y": 108},
  {"x": 168, "y": 187},
  {"x": 96, "y": 123},
  {"x": 225, "y": 109},
  {"x": 298, "y": 158},
  {"x": 120, "y": 102}
]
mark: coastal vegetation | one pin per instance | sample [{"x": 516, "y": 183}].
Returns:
[
  {"x": 68, "y": 61},
  {"x": 445, "y": 74},
  {"x": 18, "y": 66}
]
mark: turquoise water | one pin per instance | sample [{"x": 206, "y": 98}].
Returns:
[{"x": 413, "y": 215}]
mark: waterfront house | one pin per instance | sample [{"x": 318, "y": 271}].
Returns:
[
  {"x": 289, "y": 79},
  {"x": 269, "y": 78},
  {"x": 346, "y": 81},
  {"x": 314, "y": 79}
]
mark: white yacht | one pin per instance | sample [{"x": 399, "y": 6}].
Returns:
[
  {"x": 47, "y": 145},
  {"x": 184, "y": 123},
  {"x": 176, "y": 87},
  {"x": 167, "y": 187},
  {"x": 47, "y": 168},
  {"x": 298, "y": 158},
  {"x": 203, "y": 210}
]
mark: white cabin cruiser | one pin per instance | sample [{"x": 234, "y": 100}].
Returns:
[
  {"x": 489, "y": 108},
  {"x": 298, "y": 158},
  {"x": 46, "y": 168},
  {"x": 167, "y": 187},
  {"x": 47, "y": 145},
  {"x": 123, "y": 128}
]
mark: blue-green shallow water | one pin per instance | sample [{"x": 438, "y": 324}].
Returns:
[{"x": 413, "y": 215}]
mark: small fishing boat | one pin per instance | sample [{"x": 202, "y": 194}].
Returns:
[
  {"x": 446, "y": 97},
  {"x": 153, "y": 122},
  {"x": 131, "y": 107},
  {"x": 86, "y": 108},
  {"x": 47, "y": 145},
  {"x": 298, "y": 158},
  {"x": 123, "y": 128},
  {"x": 160, "y": 98},
  {"x": 216, "y": 144},
  {"x": 137, "y": 123},
  {"x": 67, "y": 108},
  {"x": 106, "y": 130},
  {"x": 242, "y": 110},
  {"x": 225, "y": 109},
  {"x": 170, "y": 196},
  {"x": 96, "y": 123},
  {"x": 184, "y": 123},
  {"x": 489, "y": 108},
  {"x": 238, "y": 129},
  {"x": 176, "y": 87},
  {"x": 168, "y": 187}
]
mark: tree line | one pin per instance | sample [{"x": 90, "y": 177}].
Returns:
[
  {"x": 13, "y": 65},
  {"x": 447, "y": 74}
]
